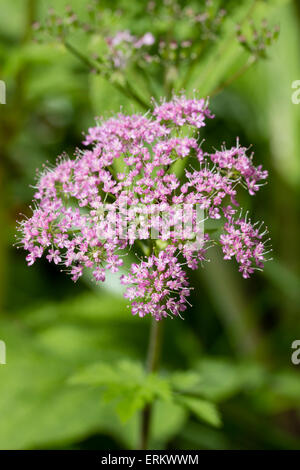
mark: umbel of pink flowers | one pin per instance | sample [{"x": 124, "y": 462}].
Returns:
[{"x": 130, "y": 159}]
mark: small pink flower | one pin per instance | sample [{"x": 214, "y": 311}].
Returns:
[{"x": 53, "y": 256}]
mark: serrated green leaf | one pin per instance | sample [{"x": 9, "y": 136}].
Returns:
[
  {"x": 203, "y": 409},
  {"x": 212, "y": 379},
  {"x": 43, "y": 350},
  {"x": 126, "y": 383},
  {"x": 220, "y": 379},
  {"x": 186, "y": 380}
]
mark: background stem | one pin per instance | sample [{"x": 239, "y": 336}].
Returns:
[{"x": 153, "y": 357}]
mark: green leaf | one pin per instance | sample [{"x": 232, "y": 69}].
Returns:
[
  {"x": 34, "y": 390},
  {"x": 280, "y": 393},
  {"x": 188, "y": 380},
  {"x": 126, "y": 383},
  {"x": 220, "y": 379},
  {"x": 44, "y": 348},
  {"x": 212, "y": 379},
  {"x": 202, "y": 409},
  {"x": 168, "y": 418}
]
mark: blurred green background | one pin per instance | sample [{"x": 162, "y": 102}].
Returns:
[{"x": 237, "y": 336}]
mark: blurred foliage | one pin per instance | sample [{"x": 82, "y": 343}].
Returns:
[{"x": 74, "y": 376}]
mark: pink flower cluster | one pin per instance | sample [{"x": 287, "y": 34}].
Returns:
[
  {"x": 244, "y": 242},
  {"x": 128, "y": 163},
  {"x": 126, "y": 37},
  {"x": 238, "y": 162},
  {"x": 159, "y": 284},
  {"x": 123, "y": 45},
  {"x": 181, "y": 111}
]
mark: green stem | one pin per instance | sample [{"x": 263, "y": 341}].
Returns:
[
  {"x": 136, "y": 97},
  {"x": 222, "y": 50},
  {"x": 153, "y": 357},
  {"x": 127, "y": 91},
  {"x": 235, "y": 76},
  {"x": 85, "y": 60},
  {"x": 30, "y": 18}
]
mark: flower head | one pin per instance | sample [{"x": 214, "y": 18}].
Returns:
[
  {"x": 88, "y": 213},
  {"x": 158, "y": 286},
  {"x": 245, "y": 243}
]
